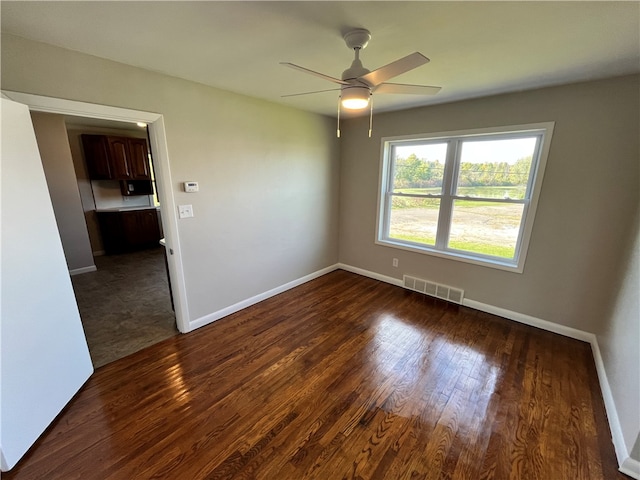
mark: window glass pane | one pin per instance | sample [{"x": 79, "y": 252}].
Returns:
[
  {"x": 414, "y": 219},
  {"x": 488, "y": 228},
  {"x": 495, "y": 168},
  {"x": 419, "y": 168}
]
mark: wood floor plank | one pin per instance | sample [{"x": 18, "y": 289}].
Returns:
[{"x": 343, "y": 377}]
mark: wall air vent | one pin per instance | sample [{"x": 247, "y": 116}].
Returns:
[{"x": 433, "y": 289}]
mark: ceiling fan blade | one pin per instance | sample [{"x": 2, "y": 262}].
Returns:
[
  {"x": 407, "y": 89},
  {"x": 316, "y": 74},
  {"x": 309, "y": 93},
  {"x": 394, "y": 69}
]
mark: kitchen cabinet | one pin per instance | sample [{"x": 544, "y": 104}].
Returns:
[
  {"x": 129, "y": 230},
  {"x": 139, "y": 159},
  {"x": 96, "y": 154},
  {"x": 116, "y": 158}
]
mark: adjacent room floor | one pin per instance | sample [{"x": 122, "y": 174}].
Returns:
[{"x": 125, "y": 305}]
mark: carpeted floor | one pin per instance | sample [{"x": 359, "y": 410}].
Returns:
[{"x": 125, "y": 305}]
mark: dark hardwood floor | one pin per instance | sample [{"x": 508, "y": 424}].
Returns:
[{"x": 343, "y": 377}]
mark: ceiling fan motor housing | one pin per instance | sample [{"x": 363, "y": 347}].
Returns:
[{"x": 355, "y": 71}]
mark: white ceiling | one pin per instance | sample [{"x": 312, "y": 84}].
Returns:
[{"x": 476, "y": 48}]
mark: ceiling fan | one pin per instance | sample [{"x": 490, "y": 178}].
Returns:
[{"x": 358, "y": 84}]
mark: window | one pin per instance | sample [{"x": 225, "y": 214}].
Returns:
[{"x": 465, "y": 195}]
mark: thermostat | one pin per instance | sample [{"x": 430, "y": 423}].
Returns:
[{"x": 190, "y": 187}]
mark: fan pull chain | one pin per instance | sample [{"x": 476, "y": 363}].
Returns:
[
  {"x": 370, "y": 116},
  {"x": 338, "y": 130}
]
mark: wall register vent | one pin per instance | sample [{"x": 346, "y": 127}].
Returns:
[{"x": 433, "y": 289}]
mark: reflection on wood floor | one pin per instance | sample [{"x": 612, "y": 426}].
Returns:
[
  {"x": 125, "y": 305},
  {"x": 343, "y": 377}
]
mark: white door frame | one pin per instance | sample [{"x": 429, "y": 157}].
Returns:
[{"x": 157, "y": 135}]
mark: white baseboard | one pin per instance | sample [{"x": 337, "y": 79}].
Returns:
[
  {"x": 531, "y": 321},
  {"x": 212, "y": 317},
  {"x": 631, "y": 467},
  {"x": 628, "y": 465},
  {"x": 99, "y": 253},
  {"x": 366, "y": 273},
  {"x": 78, "y": 271},
  {"x": 622, "y": 453}
]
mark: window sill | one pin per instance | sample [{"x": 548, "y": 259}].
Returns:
[{"x": 453, "y": 255}]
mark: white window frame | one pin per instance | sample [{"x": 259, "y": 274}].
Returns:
[{"x": 530, "y": 202}]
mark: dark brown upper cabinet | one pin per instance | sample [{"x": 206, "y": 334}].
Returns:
[
  {"x": 139, "y": 159},
  {"x": 116, "y": 158},
  {"x": 119, "y": 158},
  {"x": 96, "y": 153}
]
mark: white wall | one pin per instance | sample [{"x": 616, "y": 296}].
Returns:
[
  {"x": 619, "y": 340},
  {"x": 266, "y": 213},
  {"x": 63, "y": 188}
]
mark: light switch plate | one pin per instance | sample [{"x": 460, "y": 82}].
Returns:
[{"x": 185, "y": 211}]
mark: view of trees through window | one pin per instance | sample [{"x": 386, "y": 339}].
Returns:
[{"x": 483, "y": 205}]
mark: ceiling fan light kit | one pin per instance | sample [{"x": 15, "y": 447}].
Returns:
[
  {"x": 358, "y": 84},
  {"x": 355, "y": 98}
]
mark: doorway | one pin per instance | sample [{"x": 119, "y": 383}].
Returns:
[
  {"x": 157, "y": 141},
  {"x": 124, "y": 304}
]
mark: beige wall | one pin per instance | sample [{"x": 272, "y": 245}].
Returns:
[
  {"x": 63, "y": 189},
  {"x": 266, "y": 213},
  {"x": 619, "y": 340},
  {"x": 589, "y": 194}
]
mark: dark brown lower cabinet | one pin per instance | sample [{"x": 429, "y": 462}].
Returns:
[{"x": 130, "y": 230}]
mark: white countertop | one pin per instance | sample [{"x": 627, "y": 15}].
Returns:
[{"x": 126, "y": 209}]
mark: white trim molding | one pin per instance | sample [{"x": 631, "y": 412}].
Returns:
[
  {"x": 236, "y": 307},
  {"x": 631, "y": 467},
  {"x": 627, "y": 465},
  {"x": 453, "y": 141},
  {"x": 366, "y": 273},
  {"x": 531, "y": 321},
  {"x": 81, "y": 270},
  {"x": 62, "y": 106}
]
